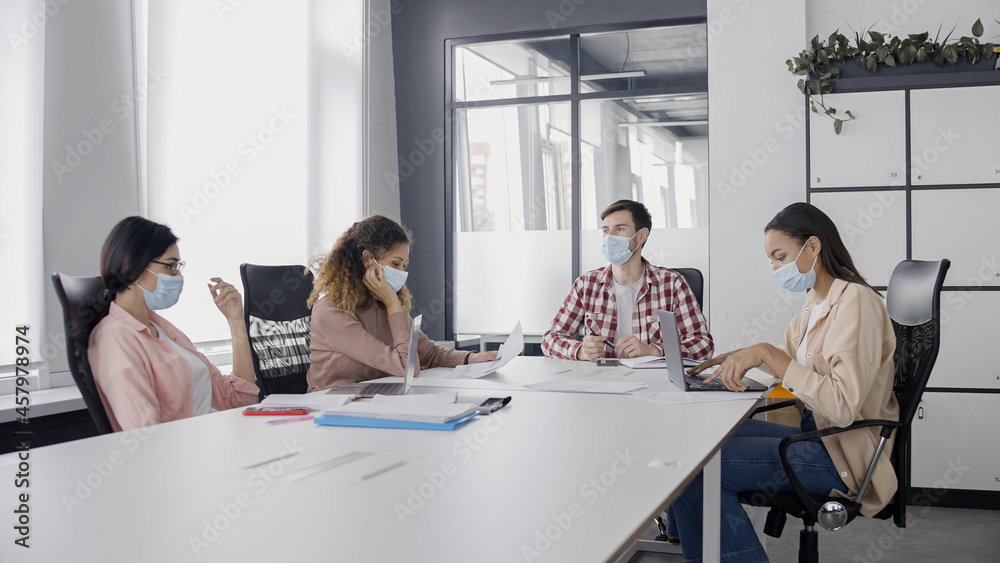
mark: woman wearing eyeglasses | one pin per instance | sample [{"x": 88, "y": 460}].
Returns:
[
  {"x": 360, "y": 325},
  {"x": 147, "y": 371}
]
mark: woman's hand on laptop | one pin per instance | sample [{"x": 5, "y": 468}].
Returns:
[
  {"x": 714, "y": 361},
  {"x": 735, "y": 365}
]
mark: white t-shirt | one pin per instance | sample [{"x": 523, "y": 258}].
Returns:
[
  {"x": 625, "y": 296},
  {"x": 201, "y": 402},
  {"x": 817, "y": 310}
]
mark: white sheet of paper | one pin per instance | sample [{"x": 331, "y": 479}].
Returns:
[
  {"x": 587, "y": 386},
  {"x": 510, "y": 349},
  {"x": 315, "y": 401},
  {"x": 444, "y": 398}
]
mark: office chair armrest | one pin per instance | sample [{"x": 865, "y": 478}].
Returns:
[
  {"x": 811, "y": 505},
  {"x": 773, "y": 407}
]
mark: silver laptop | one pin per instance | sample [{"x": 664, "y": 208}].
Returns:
[
  {"x": 675, "y": 365},
  {"x": 372, "y": 389}
]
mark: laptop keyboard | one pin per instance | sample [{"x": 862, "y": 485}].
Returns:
[
  {"x": 700, "y": 383},
  {"x": 382, "y": 389}
]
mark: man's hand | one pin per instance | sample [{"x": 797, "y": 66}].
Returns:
[
  {"x": 593, "y": 348},
  {"x": 632, "y": 347}
]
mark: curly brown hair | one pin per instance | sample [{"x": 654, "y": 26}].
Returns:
[{"x": 340, "y": 274}]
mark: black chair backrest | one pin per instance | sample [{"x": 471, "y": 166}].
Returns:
[
  {"x": 82, "y": 307},
  {"x": 695, "y": 280},
  {"x": 913, "y": 300},
  {"x": 274, "y": 301}
]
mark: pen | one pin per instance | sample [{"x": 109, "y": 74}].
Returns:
[{"x": 595, "y": 333}]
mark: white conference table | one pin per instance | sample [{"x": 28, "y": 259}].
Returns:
[{"x": 551, "y": 477}]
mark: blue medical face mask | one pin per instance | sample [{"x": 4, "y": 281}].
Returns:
[
  {"x": 790, "y": 278},
  {"x": 396, "y": 278},
  {"x": 167, "y": 292},
  {"x": 616, "y": 250}
]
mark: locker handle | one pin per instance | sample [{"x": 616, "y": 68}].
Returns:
[{"x": 920, "y": 413}]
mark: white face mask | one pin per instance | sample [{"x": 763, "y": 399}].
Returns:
[
  {"x": 790, "y": 278},
  {"x": 396, "y": 278}
]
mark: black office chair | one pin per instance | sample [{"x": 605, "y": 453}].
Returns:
[
  {"x": 914, "y": 303},
  {"x": 695, "y": 280},
  {"x": 80, "y": 298},
  {"x": 277, "y": 319}
]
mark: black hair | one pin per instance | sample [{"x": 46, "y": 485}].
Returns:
[
  {"x": 640, "y": 215},
  {"x": 801, "y": 221},
  {"x": 133, "y": 243}
]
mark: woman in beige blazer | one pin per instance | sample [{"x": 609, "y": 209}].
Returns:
[{"x": 837, "y": 359}]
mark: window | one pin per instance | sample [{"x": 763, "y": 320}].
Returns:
[{"x": 536, "y": 128}]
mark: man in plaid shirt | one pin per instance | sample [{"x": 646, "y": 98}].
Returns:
[{"x": 628, "y": 292}]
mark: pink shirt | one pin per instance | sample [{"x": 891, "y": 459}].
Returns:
[
  {"x": 369, "y": 344},
  {"x": 142, "y": 381}
]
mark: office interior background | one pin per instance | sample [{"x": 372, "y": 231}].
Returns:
[{"x": 259, "y": 131}]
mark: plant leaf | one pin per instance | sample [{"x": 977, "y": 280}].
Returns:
[
  {"x": 889, "y": 61},
  {"x": 871, "y": 63},
  {"x": 848, "y": 114},
  {"x": 977, "y": 28},
  {"x": 838, "y": 125},
  {"x": 878, "y": 37}
]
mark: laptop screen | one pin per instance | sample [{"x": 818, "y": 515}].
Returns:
[
  {"x": 411, "y": 354},
  {"x": 672, "y": 347}
]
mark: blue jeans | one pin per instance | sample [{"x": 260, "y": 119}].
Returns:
[{"x": 750, "y": 462}]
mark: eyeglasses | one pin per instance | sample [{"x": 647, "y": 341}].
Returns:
[{"x": 173, "y": 268}]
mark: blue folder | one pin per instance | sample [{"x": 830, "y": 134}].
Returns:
[{"x": 364, "y": 422}]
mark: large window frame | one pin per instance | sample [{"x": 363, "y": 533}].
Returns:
[{"x": 575, "y": 97}]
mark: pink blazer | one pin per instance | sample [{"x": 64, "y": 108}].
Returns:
[{"x": 142, "y": 381}]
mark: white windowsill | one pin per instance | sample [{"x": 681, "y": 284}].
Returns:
[{"x": 44, "y": 403}]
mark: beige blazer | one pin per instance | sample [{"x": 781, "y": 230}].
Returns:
[{"x": 848, "y": 377}]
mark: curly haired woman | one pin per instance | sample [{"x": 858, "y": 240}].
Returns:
[{"x": 360, "y": 320}]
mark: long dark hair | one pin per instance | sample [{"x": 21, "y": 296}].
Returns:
[
  {"x": 133, "y": 243},
  {"x": 801, "y": 221},
  {"x": 340, "y": 274}
]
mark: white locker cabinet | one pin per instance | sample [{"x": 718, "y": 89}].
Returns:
[
  {"x": 870, "y": 151},
  {"x": 953, "y": 136},
  {"x": 970, "y": 331},
  {"x": 953, "y": 445},
  {"x": 872, "y": 226},
  {"x": 963, "y": 226}
]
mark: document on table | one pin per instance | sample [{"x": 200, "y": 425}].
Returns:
[
  {"x": 652, "y": 362},
  {"x": 586, "y": 386},
  {"x": 509, "y": 350},
  {"x": 681, "y": 398},
  {"x": 313, "y": 401},
  {"x": 413, "y": 408}
]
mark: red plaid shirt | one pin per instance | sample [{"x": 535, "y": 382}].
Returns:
[{"x": 594, "y": 293}]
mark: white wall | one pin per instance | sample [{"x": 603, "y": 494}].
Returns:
[
  {"x": 901, "y": 17},
  {"x": 757, "y": 124},
  {"x": 21, "y": 110},
  {"x": 381, "y": 180},
  {"x": 756, "y": 161},
  {"x": 89, "y": 81}
]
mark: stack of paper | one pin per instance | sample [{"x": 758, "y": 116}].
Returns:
[
  {"x": 586, "y": 386},
  {"x": 312, "y": 401},
  {"x": 412, "y": 408},
  {"x": 648, "y": 362}
]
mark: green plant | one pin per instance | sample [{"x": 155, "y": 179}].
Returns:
[{"x": 871, "y": 49}]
